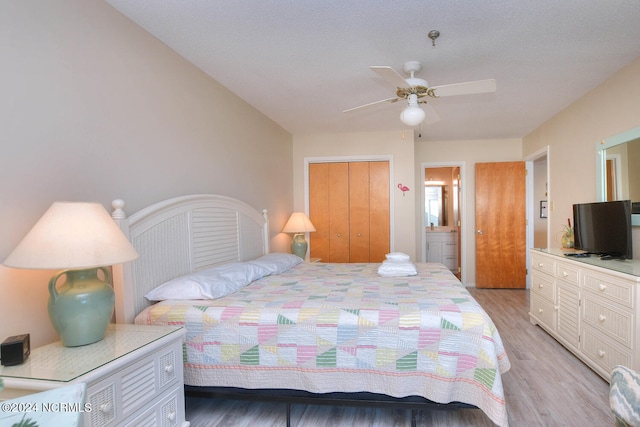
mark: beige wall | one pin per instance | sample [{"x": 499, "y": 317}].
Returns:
[
  {"x": 469, "y": 152},
  {"x": 572, "y": 134},
  {"x": 397, "y": 146},
  {"x": 94, "y": 108}
]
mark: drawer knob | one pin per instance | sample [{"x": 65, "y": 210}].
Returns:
[
  {"x": 602, "y": 286},
  {"x": 105, "y": 408},
  {"x": 171, "y": 416},
  {"x": 602, "y": 317},
  {"x": 168, "y": 369},
  {"x": 339, "y": 235},
  {"x": 541, "y": 286},
  {"x": 540, "y": 310},
  {"x": 540, "y": 265},
  {"x": 601, "y": 353},
  {"x": 565, "y": 274}
]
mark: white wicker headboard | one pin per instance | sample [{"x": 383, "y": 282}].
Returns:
[{"x": 182, "y": 235}]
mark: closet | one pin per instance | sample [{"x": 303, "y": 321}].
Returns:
[{"x": 349, "y": 207}]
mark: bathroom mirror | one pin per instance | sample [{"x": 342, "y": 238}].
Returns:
[
  {"x": 434, "y": 200},
  {"x": 441, "y": 192},
  {"x": 616, "y": 178}
]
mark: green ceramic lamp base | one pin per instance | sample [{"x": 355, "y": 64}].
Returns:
[
  {"x": 299, "y": 246},
  {"x": 82, "y": 307}
]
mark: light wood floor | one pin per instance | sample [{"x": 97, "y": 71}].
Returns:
[{"x": 546, "y": 386}]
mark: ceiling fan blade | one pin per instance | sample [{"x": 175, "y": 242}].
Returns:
[
  {"x": 430, "y": 115},
  {"x": 370, "y": 104},
  {"x": 390, "y": 75},
  {"x": 466, "y": 88}
]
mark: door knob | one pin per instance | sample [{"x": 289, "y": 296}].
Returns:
[{"x": 479, "y": 231}]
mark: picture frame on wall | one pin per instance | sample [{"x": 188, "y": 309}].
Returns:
[{"x": 543, "y": 209}]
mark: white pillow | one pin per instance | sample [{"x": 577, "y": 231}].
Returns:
[
  {"x": 211, "y": 283},
  {"x": 275, "y": 263},
  {"x": 219, "y": 281}
]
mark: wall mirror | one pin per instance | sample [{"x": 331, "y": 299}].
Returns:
[
  {"x": 441, "y": 197},
  {"x": 616, "y": 178}
]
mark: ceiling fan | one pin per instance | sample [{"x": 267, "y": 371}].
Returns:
[{"x": 414, "y": 89}]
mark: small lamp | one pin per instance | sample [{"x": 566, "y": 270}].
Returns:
[
  {"x": 81, "y": 238},
  {"x": 299, "y": 224}
]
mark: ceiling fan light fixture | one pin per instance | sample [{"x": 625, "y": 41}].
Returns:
[{"x": 412, "y": 116}]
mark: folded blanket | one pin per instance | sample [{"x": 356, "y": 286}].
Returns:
[{"x": 397, "y": 264}]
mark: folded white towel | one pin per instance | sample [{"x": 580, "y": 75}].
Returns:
[
  {"x": 397, "y": 268},
  {"x": 398, "y": 256}
]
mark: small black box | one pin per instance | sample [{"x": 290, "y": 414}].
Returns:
[{"x": 15, "y": 350}]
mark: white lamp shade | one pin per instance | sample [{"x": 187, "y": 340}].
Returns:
[
  {"x": 72, "y": 235},
  {"x": 412, "y": 116},
  {"x": 298, "y": 223}
]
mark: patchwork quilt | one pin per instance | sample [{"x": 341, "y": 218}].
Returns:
[{"x": 343, "y": 328}]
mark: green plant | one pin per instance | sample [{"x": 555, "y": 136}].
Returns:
[{"x": 25, "y": 422}]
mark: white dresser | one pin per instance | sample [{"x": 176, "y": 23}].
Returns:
[
  {"x": 133, "y": 376},
  {"x": 590, "y": 306}
]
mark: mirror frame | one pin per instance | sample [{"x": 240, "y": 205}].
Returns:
[{"x": 601, "y": 159}]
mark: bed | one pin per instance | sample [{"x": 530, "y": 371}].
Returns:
[{"x": 305, "y": 331}]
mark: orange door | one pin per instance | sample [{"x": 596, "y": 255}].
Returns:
[
  {"x": 349, "y": 207},
  {"x": 319, "y": 210},
  {"x": 338, "y": 212},
  {"x": 379, "y": 211},
  {"x": 500, "y": 225},
  {"x": 359, "y": 212}
]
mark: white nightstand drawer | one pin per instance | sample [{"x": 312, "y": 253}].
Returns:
[
  {"x": 165, "y": 412},
  {"x": 130, "y": 389}
]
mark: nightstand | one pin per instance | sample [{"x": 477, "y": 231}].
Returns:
[{"x": 133, "y": 376}]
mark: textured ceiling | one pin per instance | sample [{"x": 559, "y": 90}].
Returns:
[{"x": 301, "y": 62}]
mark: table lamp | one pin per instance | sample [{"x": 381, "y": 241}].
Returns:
[
  {"x": 298, "y": 224},
  {"x": 82, "y": 239}
]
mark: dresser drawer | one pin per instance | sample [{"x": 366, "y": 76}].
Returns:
[
  {"x": 130, "y": 389},
  {"x": 542, "y": 263},
  {"x": 620, "y": 291},
  {"x": 567, "y": 272},
  {"x": 164, "y": 412},
  {"x": 543, "y": 311},
  {"x": 603, "y": 351},
  {"x": 610, "y": 320},
  {"x": 543, "y": 285}
]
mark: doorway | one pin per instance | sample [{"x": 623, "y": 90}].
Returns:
[
  {"x": 443, "y": 215},
  {"x": 539, "y": 203}
]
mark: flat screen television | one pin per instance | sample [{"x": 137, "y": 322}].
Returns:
[{"x": 604, "y": 228}]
